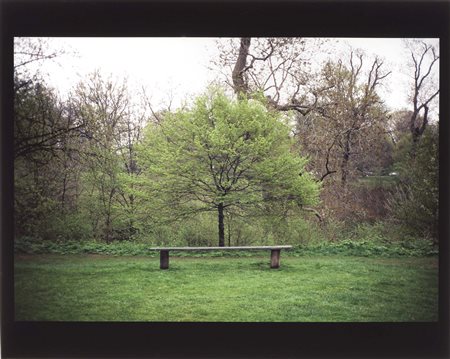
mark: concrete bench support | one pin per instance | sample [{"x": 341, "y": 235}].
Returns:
[{"x": 274, "y": 253}]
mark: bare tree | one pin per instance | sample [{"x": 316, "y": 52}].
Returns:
[
  {"x": 41, "y": 120},
  {"x": 424, "y": 57},
  {"x": 29, "y": 53},
  {"x": 347, "y": 118},
  {"x": 276, "y": 67}
]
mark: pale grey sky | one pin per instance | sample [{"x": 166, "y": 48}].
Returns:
[{"x": 178, "y": 67}]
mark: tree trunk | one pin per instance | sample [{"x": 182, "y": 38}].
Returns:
[
  {"x": 131, "y": 220},
  {"x": 345, "y": 159},
  {"x": 417, "y": 130},
  {"x": 229, "y": 229},
  {"x": 221, "y": 226},
  {"x": 344, "y": 168},
  {"x": 108, "y": 217},
  {"x": 63, "y": 195},
  {"x": 108, "y": 228},
  {"x": 239, "y": 83}
]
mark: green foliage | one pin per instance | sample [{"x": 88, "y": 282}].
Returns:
[
  {"x": 32, "y": 210},
  {"x": 37, "y": 118},
  {"x": 369, "y": 248},
  {"x": 71, "y": 227},
  {"x": 308, "y": 238},
  {"x": 384, "y": 239},
  {"x": 117, "y": 248},
  {"x": 415, "y": 202},
  {"x": 199, "y": 231},
  {"x": 235, "y": 154}
]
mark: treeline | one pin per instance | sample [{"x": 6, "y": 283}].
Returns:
[{"x": 277, "y": 152}]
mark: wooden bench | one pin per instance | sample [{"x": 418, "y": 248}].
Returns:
[{"x": 274, "y": 252}]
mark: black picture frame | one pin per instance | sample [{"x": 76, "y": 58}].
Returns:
[{"x": 220, "y": 18}]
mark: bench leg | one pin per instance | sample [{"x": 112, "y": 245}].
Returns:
[
  {"x": 164, "y": 259},
  {"x": 275, "y": 258}
]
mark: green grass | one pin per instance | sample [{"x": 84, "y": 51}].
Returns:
[{"x": 304, "y": 289}]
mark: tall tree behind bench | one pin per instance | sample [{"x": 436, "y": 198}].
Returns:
[{"x": 221, "y": 154}]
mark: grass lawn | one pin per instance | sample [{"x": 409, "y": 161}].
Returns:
[{"x": 304, "y": 289}]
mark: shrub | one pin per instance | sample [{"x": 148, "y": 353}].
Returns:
[
  {"x": 415, "y": 201},
  {"x": 73, "y": 226},
  {"x": 199, "y": 232},
  {"x": 369, "y": 232}
]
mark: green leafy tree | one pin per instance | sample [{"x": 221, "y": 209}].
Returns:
[
  {"x": 38, "y": 134},
  {"x": 222, "y": 154},
  {"x": 45, "y": 152},
  {"x": 415, "y": 202},
  {"x": 113, "y": 123},
  {"x": 103, "y": 105}
]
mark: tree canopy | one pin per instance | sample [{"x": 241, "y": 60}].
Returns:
[{"x": 222, "y": 154}]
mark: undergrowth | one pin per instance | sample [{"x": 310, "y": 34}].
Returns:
[{"x": 350, "y": 247}]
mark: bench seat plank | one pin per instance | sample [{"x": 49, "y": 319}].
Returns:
[{"x": 219, "y": 248}]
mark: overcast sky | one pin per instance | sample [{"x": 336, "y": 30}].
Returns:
[{"x": 179, "y": 66}]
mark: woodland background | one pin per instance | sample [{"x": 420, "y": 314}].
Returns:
[{"x": 90, "y": 174}]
